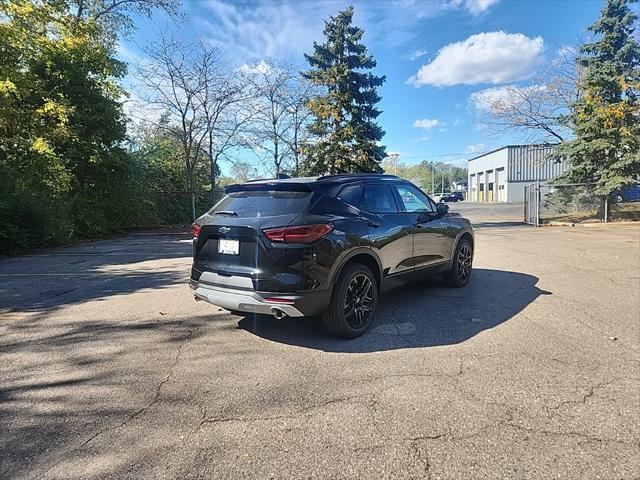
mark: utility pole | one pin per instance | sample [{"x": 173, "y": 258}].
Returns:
[
  {"x": 442, "y": 190},
  {"x": 433, "y": 178}
]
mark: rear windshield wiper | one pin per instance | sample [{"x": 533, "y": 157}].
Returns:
[{"x": 226, "y": 212}]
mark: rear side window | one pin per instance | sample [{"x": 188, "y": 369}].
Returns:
[
  {"x": 350, "y": 194},
  {"x": 263, "y": 203},
  {"x": 378, "y": 198}
]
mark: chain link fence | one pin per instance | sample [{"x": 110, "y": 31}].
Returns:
[{"x": 577, "y": 203}]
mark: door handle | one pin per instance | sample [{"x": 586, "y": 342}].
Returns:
[{"x": 373, "y": 224}]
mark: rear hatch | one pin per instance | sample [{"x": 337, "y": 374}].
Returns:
[{"x": 231, "y": 241}]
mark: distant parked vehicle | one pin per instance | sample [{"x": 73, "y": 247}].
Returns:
[
  {"x": 627, "y": 194},
  {"x": 452, "y": 197}
]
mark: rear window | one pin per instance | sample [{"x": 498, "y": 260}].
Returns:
[{"x": 262, "y": 203}]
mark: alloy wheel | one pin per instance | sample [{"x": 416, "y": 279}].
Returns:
[
  {"x": 359, "y": 301},
  {"x": 465, "y": 258}
]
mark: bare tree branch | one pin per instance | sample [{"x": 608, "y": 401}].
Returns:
[{"x": 538, "y": 112}]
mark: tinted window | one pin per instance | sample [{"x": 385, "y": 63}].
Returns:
[
  {"x": 262, "y": 203},
  {"x": 378, "y": 198},
  {"x": 350, "y": 195},
  {"x": 414, "y": 200}
]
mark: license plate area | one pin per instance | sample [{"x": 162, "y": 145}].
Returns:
[{"x": 228, "y": 247}]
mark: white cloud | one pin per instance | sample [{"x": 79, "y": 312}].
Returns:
[
  {"x": 261, "y": 67},
  {"x": 475, "y": 7},
  {"x": 490, "y": 57},
  {"x": 567, "y": 50},
  {"x": 475, "y": 148},
  {"x": 127, "y": 54},
  {"x": 417, "y": 54},
  {"x": 427, "y": 124},
  {"x": 262, "y": 29},
  {"x": 249, "y": 31},
  {"x": 509, "y": 94},
  {"x": 483, "y": 99}
]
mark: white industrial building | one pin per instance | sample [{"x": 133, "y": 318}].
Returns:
[{"x": 502, "y": 174}]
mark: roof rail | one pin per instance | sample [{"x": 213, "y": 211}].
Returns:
[
  {"x": 356, "y": 175},
  {"x": 259, "y": 180}
]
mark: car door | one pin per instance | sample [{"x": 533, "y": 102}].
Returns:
[
  {"x": 389, "y": 229},
  {"x": 430, "y": 232}
]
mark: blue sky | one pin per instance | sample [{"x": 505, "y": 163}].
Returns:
[{"x": 441, "y": 58}]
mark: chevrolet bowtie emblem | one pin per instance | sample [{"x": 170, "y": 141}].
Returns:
[{"x": 224, "y": 230}]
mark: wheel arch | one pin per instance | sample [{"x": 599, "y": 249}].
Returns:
[
  {"x": 464, "y": 234},
  {"x": 363, "y": 256},
  {"x": 469, "y": 237}
]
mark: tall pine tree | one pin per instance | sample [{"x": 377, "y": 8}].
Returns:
[
  {"x": 606, "y": 148},
  {"x": 347, "y": 135}
]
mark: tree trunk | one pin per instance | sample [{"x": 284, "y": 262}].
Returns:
[
  {"x": 213, "y": 169},
  {"x": 193, "y": 206}
]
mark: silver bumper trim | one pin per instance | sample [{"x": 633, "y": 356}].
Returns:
[{"x": 242, "y": 300}]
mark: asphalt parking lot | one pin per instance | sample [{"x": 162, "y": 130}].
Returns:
[{"x": 110, "y": 369}]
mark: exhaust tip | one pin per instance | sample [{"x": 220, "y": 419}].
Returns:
[{"x": 278, "y": 313}]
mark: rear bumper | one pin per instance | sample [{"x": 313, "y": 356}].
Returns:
[{"x": 298, "y": 305}]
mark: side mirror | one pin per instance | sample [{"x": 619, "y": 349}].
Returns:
[
  {"x": 442, "y": 209},
  {"x": 425, "y": 217}
]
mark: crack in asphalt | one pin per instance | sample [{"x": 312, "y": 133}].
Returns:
[
  {"x": 149, "y": 405},
  {"x": 582, "y": 435},
  {"x": 294, "y": 414},
  {"x": 422, "y": 457},
  {"x": 589, "y": 394}
]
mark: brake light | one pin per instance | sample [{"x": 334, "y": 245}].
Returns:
[
  {"x": 195, "y": 228},
  {"x": 298, "y": 234}
]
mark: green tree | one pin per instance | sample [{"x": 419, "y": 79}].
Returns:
[
  {"x": 606, "y": 118},
  {"x": 158, "y": 153},
  {"x": 346, "y": 134},
  {"x": 432, "y": 177},
  {"x": 64, "y": 170}
]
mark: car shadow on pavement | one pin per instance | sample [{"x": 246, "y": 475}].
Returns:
[{"x": 424, "y": 314}]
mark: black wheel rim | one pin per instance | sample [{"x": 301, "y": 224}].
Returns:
[
  {"x": 359, "y": 301},
  {"x": 465, "y": 258}
]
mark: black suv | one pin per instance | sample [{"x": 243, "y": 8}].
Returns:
[{"x": 324, "y": 246}]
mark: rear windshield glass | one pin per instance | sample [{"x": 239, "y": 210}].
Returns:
[{"x": 266, "y": 203}]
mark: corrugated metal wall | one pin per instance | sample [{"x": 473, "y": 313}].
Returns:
[{"x": 529, "y": 163}]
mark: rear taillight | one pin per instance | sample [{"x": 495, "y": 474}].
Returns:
[
  {"x": 299, "y": 234},
  {"x": 195, "y": 228}
]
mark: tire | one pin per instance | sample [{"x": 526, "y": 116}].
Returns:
[
  {"x": 461, "y": 265},
  {"x": 356, "y": 286}
]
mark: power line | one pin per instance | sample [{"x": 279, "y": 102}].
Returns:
[{"x": 403, "y": 157}]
